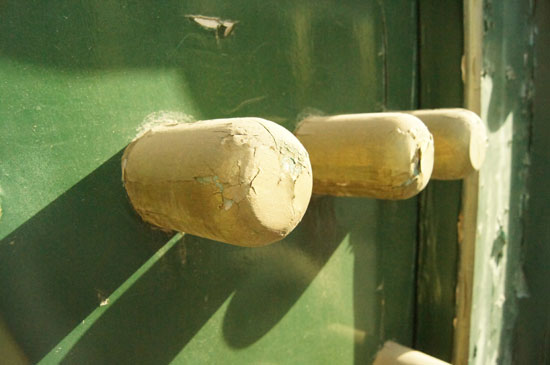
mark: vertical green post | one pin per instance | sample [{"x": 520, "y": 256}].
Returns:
[{"x": 441, "y": 47}]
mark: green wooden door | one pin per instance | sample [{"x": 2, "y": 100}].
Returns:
[{"x": 78, "y": 78}]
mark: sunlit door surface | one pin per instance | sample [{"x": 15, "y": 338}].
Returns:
[{"x": 79, "y": 78}]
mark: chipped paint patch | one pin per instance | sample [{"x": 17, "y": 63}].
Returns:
[
  {"x": 227, "y": 204},
  {"x": 498, "y": 246},
  {"x": 204, "y": 179},
  {"x": 223, "y": 28},
  {"x": 209, "y": 180},
  {"x": 290, "y": 166}
]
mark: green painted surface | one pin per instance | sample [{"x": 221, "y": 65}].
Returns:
[
  {"x": 441, "y": 48},
  {"x": 507, "y": 92},
  {"x": 78, "y": 78},
  {"x": 437, "y": 269},
  {"x": 204, "y": 301},
  {"x": 531, "y": 343}
]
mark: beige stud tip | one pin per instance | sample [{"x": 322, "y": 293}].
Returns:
[
  {"x": 395, "y": 354},
  {"x": 379, "y": 155},
  {"x": 243, "y": 181},
  {"x": 460, "y": 141}
]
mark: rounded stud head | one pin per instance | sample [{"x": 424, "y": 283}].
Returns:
[
  {"x": 243, "y": 181},
  {"x": 379, "y": 155},
  {"x": 460, "y": 141}
]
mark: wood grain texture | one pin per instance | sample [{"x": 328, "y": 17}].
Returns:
[{"x": 467, "y": 223}]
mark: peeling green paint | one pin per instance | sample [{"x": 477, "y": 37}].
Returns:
[{"x": 506, "y": 103}]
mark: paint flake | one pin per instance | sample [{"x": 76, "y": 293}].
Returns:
[{"x": 222, "y": 27}]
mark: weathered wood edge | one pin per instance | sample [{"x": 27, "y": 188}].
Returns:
[{"x": 472, "y": 61}]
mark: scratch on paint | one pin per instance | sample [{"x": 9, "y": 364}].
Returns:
[
  {"x": 246, "y": 102},
  {"x": 1, "y": 195},
  {"x": 384, "y": 53},
  {"x": 301, "y": 50}
]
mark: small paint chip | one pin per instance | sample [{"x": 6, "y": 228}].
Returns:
[
  {"x": 102, "y": 297},
  {"x": 204, "y": 179},
  {"x": 510, "y": 73},
  {"x": 520, "y": 284},
  {"x": 227, "y": 204},
  {"x": 222, "y": 28},
  {"x": 497, "y": 251}
]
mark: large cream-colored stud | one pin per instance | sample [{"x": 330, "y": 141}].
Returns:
[{"x": 243, "y": 181}]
